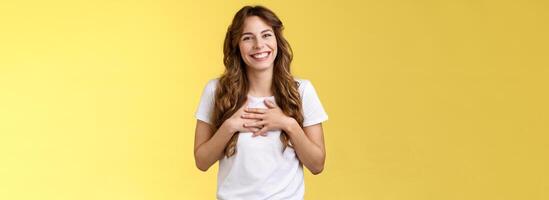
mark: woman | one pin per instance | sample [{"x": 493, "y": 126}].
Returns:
[{"x": 256, "y": 119}]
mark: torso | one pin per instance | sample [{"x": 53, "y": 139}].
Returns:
[{"x": 260, "y": 169}]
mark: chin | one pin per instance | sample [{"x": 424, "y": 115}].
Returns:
[{"x": 261, "y": 67}]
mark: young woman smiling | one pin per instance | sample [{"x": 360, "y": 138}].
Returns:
[{"x": 260, "y": 122}]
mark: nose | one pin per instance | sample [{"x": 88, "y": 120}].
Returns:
[{"x": 258, "y": 44}]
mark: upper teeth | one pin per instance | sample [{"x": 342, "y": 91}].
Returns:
[{"x": 260, "y": 55}]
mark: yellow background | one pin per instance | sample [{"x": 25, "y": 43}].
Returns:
[{"x": 427, "y": 99}]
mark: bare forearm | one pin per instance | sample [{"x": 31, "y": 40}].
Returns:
[
  {"x": 209, "y": 152},
  {"x": 309, "y": 153}
]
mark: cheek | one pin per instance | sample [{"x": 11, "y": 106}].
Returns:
[
  {"x": 275, "y": 49},
  {"x": 273, "y": 45},
  {"x": 243, "y": 50}
]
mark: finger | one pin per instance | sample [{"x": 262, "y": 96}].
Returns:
[
  {"x": 261, "y": 132},
  {"x": 252, "y": 116},
  {"x": 253, "y": 126},
  {"x": 270, "y": 104},
  {"x": 259, "y": 124},
  {"x": 256, "y": 128},
  {"x": 255, "y": 110},
  {"x": 253, "y": 130}
]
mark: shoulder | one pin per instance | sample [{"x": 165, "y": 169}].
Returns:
[
  {"x": 211, "y": 85},
  {"x": 208, "y": 92},
  {"x": 313, "y": 111},
  {"x": 304, "y": 85},
  {"x": 206, "y": 103}
]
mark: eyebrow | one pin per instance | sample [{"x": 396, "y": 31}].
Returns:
[{"x": 248, "y": 33}]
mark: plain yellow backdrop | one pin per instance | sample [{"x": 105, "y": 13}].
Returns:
[{"x": 428, "y": 100}]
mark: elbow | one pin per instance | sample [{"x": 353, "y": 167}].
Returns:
[
  {"x": 202, "y": 167},
  {"x": 316, "y": 171},
  {"x": 200, "y": 164},
  {"x": 317, "y": 168}
]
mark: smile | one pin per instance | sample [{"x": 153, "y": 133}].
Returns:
[{"x": 261, "y": 55}]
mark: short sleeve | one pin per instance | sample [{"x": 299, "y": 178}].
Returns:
[
  {"x": 206, "y": 104},
  {"x": 313, "y": 111}
]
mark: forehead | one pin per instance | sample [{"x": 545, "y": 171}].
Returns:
[{"x": 255, "y": 24}]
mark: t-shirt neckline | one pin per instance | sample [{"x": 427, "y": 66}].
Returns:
[{"x": 262, "y": 97}]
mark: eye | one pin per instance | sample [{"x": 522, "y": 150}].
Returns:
[
  {"x": 267, "y": 35},
  {"x": 245, "y": 38}
]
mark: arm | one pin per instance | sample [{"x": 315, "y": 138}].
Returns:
[
  {"x": 308, "y": 144},
  {"x": 209, "y": 147}
]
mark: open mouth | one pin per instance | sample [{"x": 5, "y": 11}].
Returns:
[{"x": 261, "y": 56}]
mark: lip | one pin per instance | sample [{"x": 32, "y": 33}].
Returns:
[
  {"x": 261, "y": 59},
  {"x": 260, "y": 52}
]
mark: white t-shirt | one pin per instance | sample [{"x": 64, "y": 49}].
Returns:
[{"x": 259, "y": 169}]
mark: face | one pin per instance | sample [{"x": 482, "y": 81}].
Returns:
[{"x": 257, "y": 44}]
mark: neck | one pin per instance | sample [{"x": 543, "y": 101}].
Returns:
[{"x": 260, "y": 82}]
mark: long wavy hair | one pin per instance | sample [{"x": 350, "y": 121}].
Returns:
[{"x": 232, "y": 87}]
